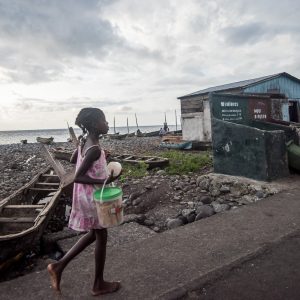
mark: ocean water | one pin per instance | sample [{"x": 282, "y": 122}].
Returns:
[{"x": 61, "y": 135}]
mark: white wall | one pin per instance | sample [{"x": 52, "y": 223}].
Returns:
[{"x": 197, "y": 126}]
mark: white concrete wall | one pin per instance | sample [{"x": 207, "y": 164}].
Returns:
[{"x": 197, "y": 126}]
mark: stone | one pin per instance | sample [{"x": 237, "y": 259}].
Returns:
[
  {"x": 156, "y": 229},
  {"x": 225, "y": 189},
  {"x": 136, "y": 201},
  {"x": 219, "y": 207},
  {"x": 183, "y": 219},
  {"x": 191, "y": 218},
  {"x": 148, "y": 222},
  {"x": 259, "y": 194},
  {"x": 134, "y": 195},
  {"x": 204, "y": 211},
  {"x": 161, "y": 172},
  {"x": 186, "y": 212},
  {"x": 206, "y": 199},
  {"x": 203, "y": 182},
  {"x": 133, "y": 218},
  {"x": 174, "y": 223}
]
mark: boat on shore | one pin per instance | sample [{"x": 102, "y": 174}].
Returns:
[
  {"x": 151, "y": 161},
  {"x": 46, "y": 141},
  {"x": 148, "y": 134},
  {"x": 24, "y": 215},
  {"x": 60, "y": 153},
  {"x": 182, "y": 145}
]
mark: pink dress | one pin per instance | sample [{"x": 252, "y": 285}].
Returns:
[{"x": 83, "y": 215}]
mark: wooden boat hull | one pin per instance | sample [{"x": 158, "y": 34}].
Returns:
[
  {"x": 46, "y": 141},
  {"x": 148, "y": 134},
  {"x": 62, "y": 154},
  {"x": 179, "y": 146},
  {"x": 25, "y": 214},
  {"x": 151, "y": 161}
]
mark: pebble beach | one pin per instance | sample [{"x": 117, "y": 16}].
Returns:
[{"x": 20, "y": 162}]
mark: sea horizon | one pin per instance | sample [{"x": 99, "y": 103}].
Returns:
[{"x": 62, "y": 134}]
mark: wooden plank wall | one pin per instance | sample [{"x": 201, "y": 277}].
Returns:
[{"x": 192, "y": 105}]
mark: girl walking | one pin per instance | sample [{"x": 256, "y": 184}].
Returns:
[{"x": 90, "y": 170}]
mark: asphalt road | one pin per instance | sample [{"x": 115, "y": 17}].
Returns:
[{"x": 273, "y": 275}]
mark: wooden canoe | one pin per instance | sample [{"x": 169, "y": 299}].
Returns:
[
  {"x": 183, "y": 145},
  {"x": 151, "y": 161},
  {"x": 63, "y": 154},
  {"x": 24, "y": 215},
  {"x": 46, "y": 141},
  {"x": 148, "y": 134}
]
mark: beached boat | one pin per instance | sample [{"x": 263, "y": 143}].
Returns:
[
  {"x": 151, "y": 161},
  {"x": 121, "y": 136},
  {"x": 148, "y": 134},
  {"x": 60, "y": 153},
  {"x": 46, "y": 141},
  {"x": 24, "y": 215},
  {"x": 183, "y": 145}
]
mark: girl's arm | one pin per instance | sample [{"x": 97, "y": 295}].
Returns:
[
  {"x": 81, "y": 176},
  {"x": 74, "y": 156}
]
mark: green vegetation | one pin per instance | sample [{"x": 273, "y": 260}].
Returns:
[
  {"x": 180, "y": 163},
  {"x": 136, "y": 170},
  {"x": 184, "y": 162}
]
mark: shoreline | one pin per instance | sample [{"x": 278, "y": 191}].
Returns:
[{"x": 20, "y": 162}]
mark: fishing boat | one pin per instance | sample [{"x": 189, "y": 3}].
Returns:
[
  {"x": 61, "y": 153},
  {"x": 46, "y": 141},
  {"x": 25, "y": 214},
  {"x": 117, "y": 136},
  {"x": 151, "y": 161},
  {"x": 148, "y": 134},
  {"x": 183, "y": 145}
]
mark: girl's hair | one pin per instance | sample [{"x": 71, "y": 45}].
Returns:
[{"x": 86, "y": 119}]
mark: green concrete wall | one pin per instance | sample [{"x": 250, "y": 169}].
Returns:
[{"x": 246, "y": 151}]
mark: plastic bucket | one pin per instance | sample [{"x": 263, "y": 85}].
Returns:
[{"x": 109, "y": 206}]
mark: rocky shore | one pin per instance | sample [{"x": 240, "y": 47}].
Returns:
[{"x": 154, "y": 203}]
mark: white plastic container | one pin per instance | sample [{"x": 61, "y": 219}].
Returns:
[{"x": 109, "y": 206}]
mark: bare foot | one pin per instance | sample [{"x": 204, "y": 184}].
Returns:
[
  {"x": 106, "y": 288},
  {"x": 55, "y": 276}
]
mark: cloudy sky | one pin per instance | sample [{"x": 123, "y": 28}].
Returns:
[{"x": 132, "y": 56}]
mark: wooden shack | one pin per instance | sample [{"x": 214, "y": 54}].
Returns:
[{"x": 282, "y": 90}]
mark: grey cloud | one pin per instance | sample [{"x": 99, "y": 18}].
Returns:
[
  {"x": 41, "y": 105},
  {"x": 42, "y": 38},
  {"x": 246, "y": 33},
  {"x": 125, "y": 108}
]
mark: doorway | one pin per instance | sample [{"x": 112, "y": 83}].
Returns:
[{"x": 293, "y": 111}]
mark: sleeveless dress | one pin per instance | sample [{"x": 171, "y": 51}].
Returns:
[{"x": 83, "y": 215}]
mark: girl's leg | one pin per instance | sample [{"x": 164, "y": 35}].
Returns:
[
  {"x": 101, "y": 286},
  {"x": 55, "y": 270}
]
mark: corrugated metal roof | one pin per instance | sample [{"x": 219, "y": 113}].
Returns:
[{"x": 239, "y": 84}]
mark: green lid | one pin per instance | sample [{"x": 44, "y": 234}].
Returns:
[{"x": 109, "y": 193}]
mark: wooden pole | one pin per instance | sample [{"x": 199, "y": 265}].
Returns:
[
  {"x": 127, "y": 126},
  {"x": 114, "y": 125},
  {"x": 137, "y": 125},
  {"x": 175, "y": 120}
]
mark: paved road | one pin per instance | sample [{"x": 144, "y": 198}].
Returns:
[{"x": 273, "y": 275}]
